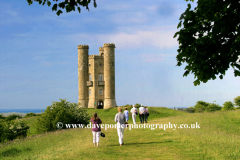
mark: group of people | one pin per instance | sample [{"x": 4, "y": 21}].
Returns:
[
  {"x": 143, "y": 114},
  {"x": 121, "y": 119}
]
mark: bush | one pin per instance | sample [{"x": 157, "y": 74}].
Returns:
[
  {"x": 203, "y": 103},
  {"x": 30, "y": 115},
  {"x": 199, "y": 108},
  {"x": 213, "y": 107},
  {"x": 63, "y": 111},
  {"x": 237, "y": 101},
  {"x": 137, "y": 105},
  {"x": 1, "y": 116},
  {"x": 189, "y": 110},
  {"x": 10, "y": 130},
  {"x": 128, "y": 106},
  {"x": 13, "y": 117},
  {"x": 2, "y": 129},
  {"x": 228, "y": 106}
]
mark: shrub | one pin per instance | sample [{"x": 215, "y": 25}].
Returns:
[
  {"x": 203, "y": 103},
  {"x": 13, "y": 117},
  {"x": 63, "y": 111},
  {"x": 1, "y": 116},
  {"x": 30, "y": 115},
  {"x": 199, "y": 108},
  {"x": 10, "y": 130},
  {"x": 189, "y": 110},
  {"x": 228, "y": 106},
  {"x": 128, "y": 106},
  {"x": 213, "y": 107},
  {"x": 137, "y": 105},
  {"x": 237, "y": 101},
  {"x": 2, "y": 129}
]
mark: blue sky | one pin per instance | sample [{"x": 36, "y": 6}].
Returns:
[{"x": 38, "y": 52}]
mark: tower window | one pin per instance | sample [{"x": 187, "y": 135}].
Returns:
[
  {"x": 100, "y": 64},
  {"x": 100, "y": 77},
  {"x": 112, "y": 63},
  {"x": 90, "y": 92},
  {"x": 89, "y": 64},
  {"x": 100, "y": 91},
  {"x": 90, "y": 77}
]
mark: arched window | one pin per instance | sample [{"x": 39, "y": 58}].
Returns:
[
  {"x": 90, "y": 77},
  {"x": 100, "y": 77}
]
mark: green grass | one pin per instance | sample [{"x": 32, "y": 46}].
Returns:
[
  {"x": 217, "y": 138},
  {"x": 107, "y": 115}
]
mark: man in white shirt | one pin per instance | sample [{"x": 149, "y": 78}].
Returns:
[
  {"x": 142, "y": 114},
  {"x": 134, "y": 111}
]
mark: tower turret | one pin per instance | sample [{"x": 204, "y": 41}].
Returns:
[
  {"x": 83, "y": 75},
  {"x": 109, "y": 75},
  {"x": 101, "y": 51}
]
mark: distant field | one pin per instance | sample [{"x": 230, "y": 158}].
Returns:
[
  {"x": 217, "y": 138},
  {"x": 18, "y": 113},
  {"x": 10, "y": 113}
]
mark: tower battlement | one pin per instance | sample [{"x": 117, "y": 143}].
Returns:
[
  {"x": 95, "y": 56},
  {"x": 83, "y": 46},
  {"x": 109, "y": 45}
]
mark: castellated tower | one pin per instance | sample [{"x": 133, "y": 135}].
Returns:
[
  {"x": 96, "y": 77},
  {"x": 109, "y": 75},
  {"x": 83, "y": 75}
]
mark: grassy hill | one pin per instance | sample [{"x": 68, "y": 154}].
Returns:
[{"x": 217, "y": 138}]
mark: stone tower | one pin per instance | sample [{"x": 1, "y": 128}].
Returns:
[
  {"x": 96, "y": 77},
  {"x": 83, "y": 74}
]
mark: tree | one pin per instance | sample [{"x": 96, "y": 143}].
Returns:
[
  {"x": 209, "y": 40},
  {"x": 228, "y": 106},
  {"x": 237, "y": 101},
  {"x": 69, "y": 5}
]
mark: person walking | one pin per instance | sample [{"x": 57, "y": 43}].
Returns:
[
  {"x": 120, "y": 119},
  {"x": 126, "y": 113},
  {"x": 146, "y": 114},
  {"x": 96, "y": 129},
  {"x": 142, "y": 114},
  {"x": 134, "y": 114}
]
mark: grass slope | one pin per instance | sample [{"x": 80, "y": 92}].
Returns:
[{"x": 217, "y": 138}]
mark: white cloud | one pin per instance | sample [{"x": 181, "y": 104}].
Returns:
[
  {"x": 154, "y": 37},
  {"x": 151, "y": 58}
]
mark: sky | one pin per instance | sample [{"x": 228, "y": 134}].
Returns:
[{"x": 39, "y": 61}]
